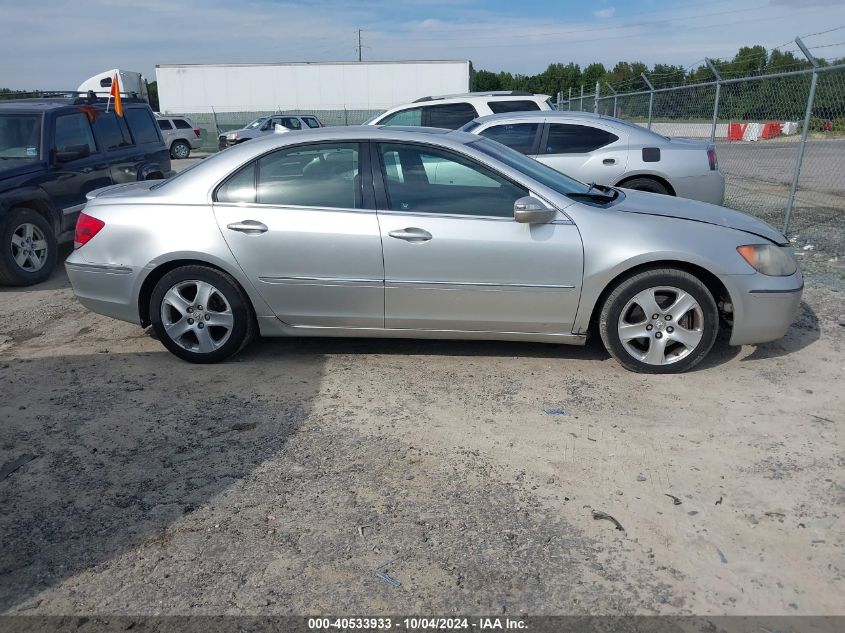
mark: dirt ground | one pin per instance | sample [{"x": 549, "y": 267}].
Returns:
[{"x": 281, "y": 482}]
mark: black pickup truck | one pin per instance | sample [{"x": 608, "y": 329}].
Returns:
[{"x": 53, "y": 151}]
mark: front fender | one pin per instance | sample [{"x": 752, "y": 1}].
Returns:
[{"x": 34, "y": 198}]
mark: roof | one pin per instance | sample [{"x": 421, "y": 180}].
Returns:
[
  {"x": 63, "y": 99},
  {"x": 544, "y": 114}
]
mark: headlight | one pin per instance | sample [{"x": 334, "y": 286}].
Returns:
[
  {"x": 769, "y": 259},
  {"x": 232, "y": 136}
]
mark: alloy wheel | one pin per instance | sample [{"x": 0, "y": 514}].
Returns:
[
  {"x": 29, "y": 247},
  {"x": 661, "y": 325},
  {"x": 196, "y": 316}
]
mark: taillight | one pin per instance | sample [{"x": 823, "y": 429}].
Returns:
[
  {"x": 197, "y": 131},
  {"x": 86, "y": 228},
  {"x": 711, "y": 157}
]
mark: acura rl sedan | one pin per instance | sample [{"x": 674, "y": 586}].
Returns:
[{"x": 424, "y": 233}]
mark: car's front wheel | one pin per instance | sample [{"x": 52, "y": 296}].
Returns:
[
  {"x": 201, "y": 314},
  {"x": 28, "y": 248},
  {"x": 659, "y": 321}
]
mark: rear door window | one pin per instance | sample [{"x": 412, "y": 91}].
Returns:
[
  {"x": 73, "y": 134},
  {"x": 291, "y": 123},
  {"x": 449, "y": 115},
  {"x": 310, "y": 121},
  {"x": 112, "y": 131},
  {"x": 512, "y": 106},
  {"x": 566, "y": 138},
  {"x": 141, "y": 123},
  {"x": 518, "y": 136},
  {"x": 164, "y": 124}
]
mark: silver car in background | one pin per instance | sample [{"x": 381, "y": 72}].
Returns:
[
  {"x": 610, "y": 151},
  {"x": 423, "y": 233},
  {"x": 269, "y": 125},
  {"x": 180, "y": 135}
]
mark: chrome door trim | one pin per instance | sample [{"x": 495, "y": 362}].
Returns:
[
  {"x": 458, "y": 216},
  {"x": 323, "y": 281},
  {"x": 485, "y": 285}
]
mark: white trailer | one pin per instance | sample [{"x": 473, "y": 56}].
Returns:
[{"x": 305, "y": 86}]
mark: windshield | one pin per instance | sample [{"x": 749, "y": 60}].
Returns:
[
  {"x": 255, "y": 124},
  {"x": 20, "y": 136},
  {"x": 538, "y": 171}
]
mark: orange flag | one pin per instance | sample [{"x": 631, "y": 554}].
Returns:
[{"x": 115, "y": 94}]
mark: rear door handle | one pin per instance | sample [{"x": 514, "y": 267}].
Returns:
[
  {"x": 411, "y": 234},
  {"x": 250, "y": 227},
  {"x": 609, "y": 161}
]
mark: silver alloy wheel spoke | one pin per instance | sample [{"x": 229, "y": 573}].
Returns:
[
  {"x": 683, "y": 304},
  {"x": 220, "y": 319},
  {"x": 179, "y": 328},
  {"x": 21, "y": 258},
  {"x": 206, "y": 343},
  {"x": 656, "y": 354},
  {"x": 647, "y": 301},
  {"x": 204, "y": 292},
  {"x": 177, "y": 301},
  {"x": 17, "y": 240},
  {"x": 630, "y": 331},
  {"x": 687, "y": 338}
]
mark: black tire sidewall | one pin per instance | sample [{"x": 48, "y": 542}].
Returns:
[
  {"x": 10, "y": 272},
  {"x": 647, "y": 185},
  {"x": 236, "y": 297},
  {"x": 617, "y": 300}
]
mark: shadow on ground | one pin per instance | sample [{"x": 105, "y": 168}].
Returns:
[{"x": 125, "y": 445}]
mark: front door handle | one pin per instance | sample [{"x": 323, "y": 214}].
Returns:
[
  {"x": 609, "y": 161},
  {"x": 411, "y": 234},
  {"x": 250, "y": 227}
]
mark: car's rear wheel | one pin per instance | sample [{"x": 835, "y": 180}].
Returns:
[
  {"x": 647, "y": 184},
  {"x": 201, "y": 314},
  {"x": 180, "y": 150},
  {"x": 661, "y": 321},
  {"x": 28, "y": 248}
]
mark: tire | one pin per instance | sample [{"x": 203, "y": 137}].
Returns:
[
  {"x": 647, "y": 184},
  {"x": 22, "y": 262},
  {"x": 180, "y": 150},
  {"x": 677, "y": 340},
  {"x": 201, "y": 333}
]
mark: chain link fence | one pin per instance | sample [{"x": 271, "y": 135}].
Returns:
[{"x": 780, "y": 141}]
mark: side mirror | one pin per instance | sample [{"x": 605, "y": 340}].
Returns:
[{"x": 529, "y": 210}]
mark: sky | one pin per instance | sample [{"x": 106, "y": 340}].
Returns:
[{"x": 56, "y": 44}]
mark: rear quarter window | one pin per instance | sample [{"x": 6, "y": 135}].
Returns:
[
  {"x": 449, "y": 115},
  {"x": 181, "y": 124},
  {"x": 512, "y": 106},
  {"x": 142, "y": 125},
  {"x": 112, "y": 131},
  {"x": 567, "y": 138}
]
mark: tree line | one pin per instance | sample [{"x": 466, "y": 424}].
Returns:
[{"x": 784, "y": 97}]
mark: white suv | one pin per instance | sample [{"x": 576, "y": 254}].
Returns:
[
  {"x": 453, "y": 111},
  {"x": 180, "y": 135}
]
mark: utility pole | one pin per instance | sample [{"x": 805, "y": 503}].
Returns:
[{"x": 359, "y": 45}]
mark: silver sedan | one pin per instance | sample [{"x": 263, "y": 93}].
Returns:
[
  {"x": 610, "y": 151},
  {"x": 422, "y": 233}
]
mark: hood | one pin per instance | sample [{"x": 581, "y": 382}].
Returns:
[
  {"x": 11, "y": 167},
  {"x": 684, "y": 209},
  {"x": 122, "y": 191}
]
